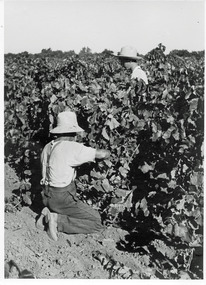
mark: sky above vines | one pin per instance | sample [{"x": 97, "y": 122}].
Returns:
[{"x": 33, "y": 25}]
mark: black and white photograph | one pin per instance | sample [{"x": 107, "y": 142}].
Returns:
[{"x": 103, "y": 140}]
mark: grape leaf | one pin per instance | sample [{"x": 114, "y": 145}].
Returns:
[
  {"x": 104, "y": 134},
  {"x": 106, "y": 185},
  {"x": 146, "y": 167}
]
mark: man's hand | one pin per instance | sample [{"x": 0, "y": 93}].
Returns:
[
  {"x": 102, "y": 154},
  {"x": 43, "y": 181}
]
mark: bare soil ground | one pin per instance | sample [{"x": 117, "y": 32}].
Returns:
[{"x": 72, "y": 256}]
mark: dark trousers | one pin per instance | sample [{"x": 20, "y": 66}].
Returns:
[{"x": 74, "y": 216}]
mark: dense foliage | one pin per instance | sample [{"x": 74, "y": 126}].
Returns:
[{"x": 152, "y": 185}]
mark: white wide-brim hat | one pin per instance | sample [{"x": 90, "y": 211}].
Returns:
[
  {"x": 66, "y": 123},
  {"x": 128, "y": 52}
]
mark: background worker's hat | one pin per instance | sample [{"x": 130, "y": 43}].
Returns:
[
  {"x": 128, "y": 52},
  {"x": 66, "y": 123}
]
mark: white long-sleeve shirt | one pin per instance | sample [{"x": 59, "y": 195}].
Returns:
[
  {"x": 139, "y": 74},
  {"x": 58, "y": 169}
]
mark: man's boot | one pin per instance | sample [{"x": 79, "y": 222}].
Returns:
[
  {"x": 51, "y": 220},
  {"x": 40, "y": 221}
]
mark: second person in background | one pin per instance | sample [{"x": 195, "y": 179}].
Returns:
[{"x": 130, "y": 60}]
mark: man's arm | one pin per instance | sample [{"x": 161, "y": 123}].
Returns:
[
  {"x": 44, "y": 158},
  {"x": 102, "y": 154}
]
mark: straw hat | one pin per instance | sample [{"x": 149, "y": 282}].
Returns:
[
  {"x": 66, "y": 123},
  {"x": 128, "y": 52}
]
